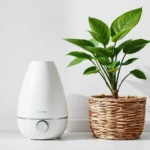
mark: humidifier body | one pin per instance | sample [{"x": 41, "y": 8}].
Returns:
[{"x": 42, "y": 108}]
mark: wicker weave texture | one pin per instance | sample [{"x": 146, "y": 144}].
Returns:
[{"x": 121, "y": 119}]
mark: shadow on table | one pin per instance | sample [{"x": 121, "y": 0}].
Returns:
[
  {"x": 88, "y": 136},
  {"x": 73, "y": 136},
  {"x": 145, "y": 136}
]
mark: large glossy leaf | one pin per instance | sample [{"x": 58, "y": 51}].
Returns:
[
  {"x": 101, "y": 29},
  {"x": 100, "y": 51},
  {"x": 76, "y": 61},
  {"x": 120, "y": 35},
  {"x": 125, "y": 22},
  {"x": 91, "y": 70},
  {"x": 129, "y": 61},
  {"x": 135, "y": 46},
  {"x": 113, "y": 64},
  {"x": 80, "y": 42},
  {"x": 94, "y": 42},
  {"x": 96, "y": 36},
  {"x": 102, "y": 60},
  {"x": 121, "y": 46},
  {"x": 93, "y": 49},
  {"x": 138, "y": 73},
  {"x": 110, "y": 47},
  {"x": 80, "y": 55}
]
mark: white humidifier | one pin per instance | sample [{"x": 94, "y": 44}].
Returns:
[{"x": 42, "y": 108}]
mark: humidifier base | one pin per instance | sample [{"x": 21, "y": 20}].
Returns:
[{"x": 42, "y": 129}]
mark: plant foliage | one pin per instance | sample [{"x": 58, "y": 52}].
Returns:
[{"x": 104, "y": 58}]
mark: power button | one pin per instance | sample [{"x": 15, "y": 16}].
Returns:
[{"x": 42, "y": 126}]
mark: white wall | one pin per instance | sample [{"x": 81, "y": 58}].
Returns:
[{"x": 34, "y": 29}]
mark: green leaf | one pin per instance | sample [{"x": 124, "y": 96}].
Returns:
[
  {"x": 121, "y": 46},
  {"x": 135, "y": 46},
  {"x": 95, "y": 36},
  {"x": 113, "y": 64},
  {"x": 129, "y": 61},
  {"x": 110, "y": 47},
  {"x": 120, "y": 35},
  {"x": 125, "y": 22},
  {"x": 80, "y": 55},
  {"x": 91, "y": 70},
  {"x": 76, "y": 61},
  {"x": 94, "y": 42},
  {"x": 113, "y": 70},
  {"x": 138, "y": 73},
  {"x": 80, "y": 42},
  {"x": 93, "y": 49},
  {"x": 101, "y": 29},
  {"x": 100, "y": 51},
  {"x": 102, "y": 60}
]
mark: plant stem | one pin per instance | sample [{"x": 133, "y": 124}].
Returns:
[
  {"x": 98, "y": 68},
  {"x": 115, "y": 94},
  {"x": 102, "y": 75},
  {"x": 123, "y": 81},
  {"x": 106, "y": 83},
  {"x": 116, "y": 57},
  {"x": 114, "y": 51},
  {"x": 103, "y": 68},
  {"x": 98, "y": 65},
  {"x": 114, "y": 74},
  {"x": 120, "y": 69}
]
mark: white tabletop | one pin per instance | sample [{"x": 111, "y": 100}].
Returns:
[{"x": 71, "y": 141}]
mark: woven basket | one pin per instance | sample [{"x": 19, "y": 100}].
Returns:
[{"x": 117, "y": 119}]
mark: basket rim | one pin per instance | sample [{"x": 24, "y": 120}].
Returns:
[{"x": 125, "y": 99}]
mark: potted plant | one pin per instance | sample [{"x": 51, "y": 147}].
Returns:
[{"x": 113, "y": 116}]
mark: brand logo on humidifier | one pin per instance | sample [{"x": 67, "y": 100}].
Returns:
[{"x": 42, "y": 111}]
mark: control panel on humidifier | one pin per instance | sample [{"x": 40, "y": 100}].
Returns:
[{"x": 42, "y": 108}]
